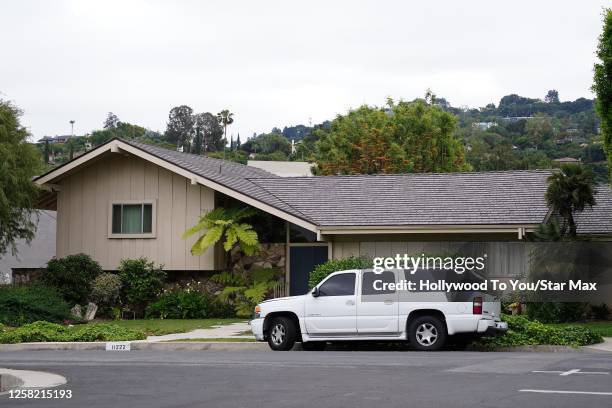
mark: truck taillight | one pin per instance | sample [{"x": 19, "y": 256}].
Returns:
[{"x": 477, "y": 305}]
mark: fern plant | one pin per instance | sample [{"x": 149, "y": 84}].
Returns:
[
  {"x": 223, "y": 224},
  {"x": 245, "y": 291}
]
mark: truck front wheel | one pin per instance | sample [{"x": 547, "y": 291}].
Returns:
[
  {"x": 427, "y": 333},
  {"x": 282, "y": 334}
]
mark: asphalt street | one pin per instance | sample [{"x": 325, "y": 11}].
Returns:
[{"x": 320, "y": 379}]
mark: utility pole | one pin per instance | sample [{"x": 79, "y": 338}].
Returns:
[{"x": 72, "y": 128}]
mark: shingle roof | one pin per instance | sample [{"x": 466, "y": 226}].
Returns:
[
  {"x": 508, "y": 197},
  {"x": 235, "y": 176},
  {"x": 597, "y": 220},
  {"x": 477, "y": 198}
]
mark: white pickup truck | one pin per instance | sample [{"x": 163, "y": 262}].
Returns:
[{"x": 355, "y": 305}]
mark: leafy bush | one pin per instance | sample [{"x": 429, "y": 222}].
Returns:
[
  {"x": 556, "y": 312},
  {"x": 142, "y": 282},
  {"x": 106, "y": 289},
  {"x": 45, "y": 331},
  {"x": 321, "y": 271},
  {"x": 72, "y": 276},
  {"x": 187, "y": 304},
  {"x": 245, "y": 291},
  {"x": 522, "y": 332},
  {"x": 29, "y": 303}
]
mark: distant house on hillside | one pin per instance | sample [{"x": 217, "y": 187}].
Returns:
[
  {"x": 566, "y": 160},
  {"x": 483, "y": 125},
  {"x": 56, "y": 139}
]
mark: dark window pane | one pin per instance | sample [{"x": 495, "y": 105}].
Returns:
[
  {"x": 147, "y": 218},
  {"x": 339, "y": 285},
  {"x": 367, "y": 287},
  {"x": 131, "y": 220},
  {"x": 116, "y": 219}
]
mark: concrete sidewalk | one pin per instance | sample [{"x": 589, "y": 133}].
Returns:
[
  {"x": 605, "y": 346},
  {"x": 234, "y": 330}
]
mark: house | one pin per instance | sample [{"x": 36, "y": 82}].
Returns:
[
  {"x": 33, "y": 257},
  {"x": 483, "y": 125},
  {"x": 56, "y": 139},
  {"x": 283, "y": 168},
  {"x": 566, "y": 160},
  {"x": 126, "y": 199}
]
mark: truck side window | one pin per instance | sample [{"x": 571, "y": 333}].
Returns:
[
  {"x": 338, "y": 285},
  {"x": 368, "y": 288}
]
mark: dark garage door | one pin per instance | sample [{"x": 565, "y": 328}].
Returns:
[{"x": 302, "y": 261}]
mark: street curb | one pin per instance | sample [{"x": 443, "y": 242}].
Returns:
[{"x": 221, "y": 346}]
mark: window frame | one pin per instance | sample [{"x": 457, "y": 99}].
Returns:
[
  {"x": 152, "y": 234},
  {"x": 338, "y": 274}
]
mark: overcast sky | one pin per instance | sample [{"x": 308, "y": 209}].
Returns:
[{"x": 279, "y": 63}]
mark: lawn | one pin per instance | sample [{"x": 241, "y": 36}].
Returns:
[
  {"x": 158, "y": 327},
  {"x": 602, "y": 327}
]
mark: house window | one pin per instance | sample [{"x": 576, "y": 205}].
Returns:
[{"x": 132, "y": 220}]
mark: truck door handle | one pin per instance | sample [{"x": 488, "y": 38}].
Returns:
[
  {"x": 388, "y": 302},
  {"x": 350, "y": 303}
]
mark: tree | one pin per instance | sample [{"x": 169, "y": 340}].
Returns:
[
  {"x": 552, "y": 96},
  {"x": 47, "y": 151},
  {"x": 210, "y": 130},
  {"x": 539, "y": 129},
  {"x": 111, "y": 121},
  {"x": 569, "y": 191},
  {"x": 225, "y": 118},
  {"x": 238, "y": 142},
  {"x": 20, "y": 162},
  {"x": 224, "y": 224},
  {"x": 602, "y": 84},
  {"x": 403, "y": 137},
  {"x": 180, "y": 127}
]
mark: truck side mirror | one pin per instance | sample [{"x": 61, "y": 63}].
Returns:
[{"x": 315, "y": 292}]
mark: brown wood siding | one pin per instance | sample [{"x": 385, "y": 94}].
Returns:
[{"x": 84, "y": 204}]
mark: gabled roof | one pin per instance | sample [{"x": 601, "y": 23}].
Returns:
[
  {"x": 500, "y": 198},
  {"x": 474, "y": 201}
]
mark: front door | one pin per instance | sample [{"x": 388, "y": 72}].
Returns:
[
  {"x": 302, "y": 260},
  {"x": 334, "y": 312}
]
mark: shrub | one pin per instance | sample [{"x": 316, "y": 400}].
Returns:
[
  {"x": 556, "y": 312},
  {"x": 141, "y": 281},
  {"x": 522, "y": 332},
  {"x": 245, "y": 291},
  {"x": 29, "y": 303},
  {"x": 45, "y": 331},
  {"x": 72, "y": 276},
  {"x": 182, "y": 304},
  {"x": 105, "y": 290},
  {"x": 321, "y": 271}
]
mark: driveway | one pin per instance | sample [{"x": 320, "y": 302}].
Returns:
[{"x": 328, "y": 379}]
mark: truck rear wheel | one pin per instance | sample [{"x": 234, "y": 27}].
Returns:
[
  {"x": 282, "y": 334},
  {"x": 427, "y": 333}
]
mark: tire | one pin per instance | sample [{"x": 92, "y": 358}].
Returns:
[
  {"x": 314, "y": 345},
  {"x": 282, "y": 334},
  {"x": 427, "y": 333}
]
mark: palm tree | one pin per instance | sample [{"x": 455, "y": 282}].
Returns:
[
  {"x": 223, "y": 224},
  {"x": 225, "y": 117},
  {"x": 569, "y": 191}
]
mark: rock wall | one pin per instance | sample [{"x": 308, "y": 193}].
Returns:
[{"x": 270, "y": 256}]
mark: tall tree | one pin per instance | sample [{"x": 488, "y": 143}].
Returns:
[
  {"x": 569, "y": 191},
  {"x": 238, "y": 141},
  {"x": 602, "y": 84},
  {"x": 20, "y": 161},
  {"x": 111, "y": 121},
  {"x": 180, "y": 127},
  {"x": 552, "y": 96},
  {"x": 210, "y": 130},
  {"x": 403, "y": 137},
  {"x": 225, "y": 118}
]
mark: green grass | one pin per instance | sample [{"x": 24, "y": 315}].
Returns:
[
  {"x": 602, "y": 327},
  {"x": 158, "y": 327},
  {"x": 219, "y": 340}
]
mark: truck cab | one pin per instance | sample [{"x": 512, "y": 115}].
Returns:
[{"x": 367, "y": 305}]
